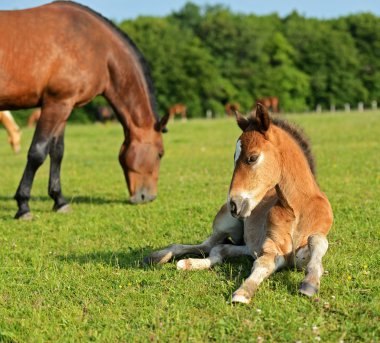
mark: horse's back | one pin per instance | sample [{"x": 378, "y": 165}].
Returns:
[{"x": 56, "y": 49}]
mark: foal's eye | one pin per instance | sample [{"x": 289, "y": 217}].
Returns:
[
  {"x": 160, "y": 154},
  {"x": 252, "y": 159}
]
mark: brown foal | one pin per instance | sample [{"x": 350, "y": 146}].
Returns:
[
  {"x": 14, "y": 132},
  {"x": 275, "y": 211}
]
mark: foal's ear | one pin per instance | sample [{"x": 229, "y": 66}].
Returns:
[
  {"x": 241, "y": 121},
  {"x": 262, "y": 117},
  {"x": 161, "y": 125}
]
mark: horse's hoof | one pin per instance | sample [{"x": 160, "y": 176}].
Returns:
[
  {"x": 27, "y": 216},
  {"x": 64, "y": 209},
  {"x": 308, "y": 289},
  {"x": 240, "y": 298},
  {"x": 158, "y": 257}
]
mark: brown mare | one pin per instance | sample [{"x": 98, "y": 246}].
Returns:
[
  {"x": 231, "y": 108},
  {"x": 61, "y": 55},
  {"x": 14, "y": 132},
  {"x": 275, "y": 211},
  {"x": 270, "y": 102},
  {"x": 178, "y": 109}
]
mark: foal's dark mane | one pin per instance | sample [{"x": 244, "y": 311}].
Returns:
[
  {"x": 142, "y": 61},
  {"x": 300, "y": 137},
  {"x": 294, "y": 131}
]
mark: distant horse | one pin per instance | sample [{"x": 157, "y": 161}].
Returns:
[
  {"x": 34, "y": 117},
  {"x": 270, "y": 102},
  {"x": 14, "y": 132},
  {"x": 61, "y": 55},
  {"x": 178, "y": 109},
  {"x": 231, "y": 108},
  {"x": 275, "y": 211},
  {"x": 104, "y": 113}
]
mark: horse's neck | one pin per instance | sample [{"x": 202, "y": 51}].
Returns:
[
  {"x": 297, "y": 182},
  {"x": 129, "y": 91}
]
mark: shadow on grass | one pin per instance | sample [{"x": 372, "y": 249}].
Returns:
[
  {"x": 74, "y": 200},
  {"x": 131, "y": 258}
]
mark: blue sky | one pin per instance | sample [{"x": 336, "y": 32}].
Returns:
[{"x": 125, "y": 9}]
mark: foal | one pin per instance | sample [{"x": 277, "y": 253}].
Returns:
[{"x": 275, "y": 211}]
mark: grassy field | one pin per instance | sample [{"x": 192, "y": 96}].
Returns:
[{"x": 78, "y": 276}]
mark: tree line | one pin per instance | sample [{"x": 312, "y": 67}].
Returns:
[{"x": 208, "y": 56}]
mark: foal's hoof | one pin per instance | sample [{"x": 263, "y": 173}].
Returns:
[
  {"x": 158, "y": 257},
  {"x": 27, "y": 216},
  {"x": 308, "y": 289},
  {"x": 240, "y": 296},
  {"x": 63, "y": 209}
]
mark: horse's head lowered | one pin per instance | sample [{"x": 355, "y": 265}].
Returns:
[
  {"x": 257, "y": 163},
  {"x": 140, "y": 159}
]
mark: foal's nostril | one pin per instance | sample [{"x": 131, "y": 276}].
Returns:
[{"x": 233, "y": 207}]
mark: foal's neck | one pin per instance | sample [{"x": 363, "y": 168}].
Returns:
[{"x": 297, "y": 182}]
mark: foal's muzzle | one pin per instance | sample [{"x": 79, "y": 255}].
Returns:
[{"x": 240, "y": 207}]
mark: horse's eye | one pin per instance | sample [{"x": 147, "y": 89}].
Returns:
[{"x": 252, "y": 159}]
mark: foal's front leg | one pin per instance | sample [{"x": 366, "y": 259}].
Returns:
[{"x": 269, "y": 262}]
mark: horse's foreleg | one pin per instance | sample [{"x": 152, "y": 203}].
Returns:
[
  {"x": 264, "y": 266},
  {"x": 318, "y": 246},
  {"x": 217, "y": 255},
  {"x": 53, "y": 116},
  {"x": 56, "y": 155}
]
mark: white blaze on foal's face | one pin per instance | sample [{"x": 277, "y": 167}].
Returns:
[{"x": 237, "y": 150}]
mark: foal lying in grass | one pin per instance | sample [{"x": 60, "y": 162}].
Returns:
[{"x": 275, "y": 210}]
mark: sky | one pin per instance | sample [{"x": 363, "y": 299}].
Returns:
[{"x": 128, "y": 9}]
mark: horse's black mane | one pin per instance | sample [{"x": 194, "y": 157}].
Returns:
[
  {"x": 143, "y": 62},
  {"x": 293, "y": 130}
]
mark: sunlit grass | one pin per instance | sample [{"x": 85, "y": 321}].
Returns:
[{"x": 78, "y": 277}]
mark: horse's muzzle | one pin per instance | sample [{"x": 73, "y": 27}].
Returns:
[
  {"x": 142, "y": 197},
  {"x": 240, "y": 207}
]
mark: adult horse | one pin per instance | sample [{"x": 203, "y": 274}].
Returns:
[
  {"x": 62, "y": 55},
  {"x": 275, "y": 211},
  {"x": 178, "y": 109},
  {"x": 270, "y": 102}
]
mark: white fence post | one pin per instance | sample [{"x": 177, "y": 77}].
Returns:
[
  {"x": 374, "y": 105},
  {"x": 360, "y": 107},
  {"x": 332, "y": 108},
  {"x": 347, "y": 107},
  {"x": 208, "y": 114},
  {"x": 318, "y": 109}
]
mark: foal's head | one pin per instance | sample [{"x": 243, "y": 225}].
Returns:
[
  {"x": 257, "y": 163},
  {"x": 140, "y": 158}
]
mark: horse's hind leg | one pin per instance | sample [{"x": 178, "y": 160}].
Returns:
[
  {"x": 53, "y": 116},
  {"x": 224, "y": 226},
  {"x": 217, "y": 255},
  {"x": 318, "y": 245}
]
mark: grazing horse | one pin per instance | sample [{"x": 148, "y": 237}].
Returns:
[
  {"x": 270, "y": 102},
  {"x": 178, "y": 109},
  {"x": 14, "y": 132},
  {"x": 61, "y": 55},
  {"x": 231, "y": 108},
  {"x": 34, "y": 117},
  {"x": 275, "y": 211}
]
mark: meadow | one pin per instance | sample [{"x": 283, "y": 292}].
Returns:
[{"x": 79, "y": 277}]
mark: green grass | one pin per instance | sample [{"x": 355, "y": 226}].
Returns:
[{"x": 77, "y": 277}]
